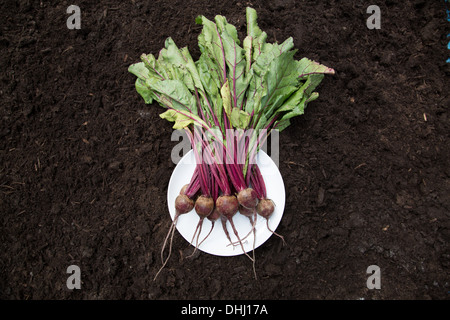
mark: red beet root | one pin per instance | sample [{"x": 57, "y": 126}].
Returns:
[
  {"x": 248, "y": 212},
  {"x": 184, "y": 188},
  {"x": 265, "y": 208},
  {"x": 183, "y": 205},
  {"x": 228, "y": 206},
  {"x": 247, "y": 198},
  {"x": 203, "y": 206},
  {"x": 212, "y": 217}
]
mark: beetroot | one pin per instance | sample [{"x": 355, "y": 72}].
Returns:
[
  {"x": 247, "y": 198},
  {"x": 248, "y": 212},
  {"x": 213, "y": 216},
  {"x": 251, "y": 215},
  {"x": 184, "y": 188},
  {"x": 228, "y": 103},
  {"x": 183, "y": 205},
  {"x": 228, "y": 206},
  {"x": 204, "y": 206},
  {"x": 265, "y": 208}
]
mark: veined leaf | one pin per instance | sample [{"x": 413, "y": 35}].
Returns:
[
  {"x": 143, "y": 81},
  {"x": 224, "y": 26},
  {"x": 182, "y": 119},
  {"x": 139, "y": 70},
  {"x": 257, "y": 84},
  {"x": 235, "y": 60},
  {"x": 281, "y": 81},
  {"x": 296, "y": 103},
  {"x": 280, "y": 125},
  {"x": 175, "y": 95},
  {"x": 144, "y": 91},
  {"x": 209, "y": 76},
  {"x": 226, "y": 98},
  {"x": 292, "y": 101},
  {"x": 210, "y": 43},
  {"x": 253, "y": 29},
  {"x": 297, "y": 110},
  {"x": 179, "y": 64},
  {"x": 257, "y": 88},
  {"x": 192, "y": 68},
  {"x": 308, "y": 67},
  {"x": 172, "y": 54},
  {"x": 248, "y": 53},
  {"x": 255, "y": 33},
  {"x": 239, "y": 118},
  {"x": 311, "y": 83},
  {"x": 304, "y": 91}
]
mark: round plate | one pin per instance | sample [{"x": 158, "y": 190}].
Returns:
[{"x": 217, "y": 242}]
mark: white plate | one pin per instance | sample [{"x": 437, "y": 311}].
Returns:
[{"x": 217, "y": 243}]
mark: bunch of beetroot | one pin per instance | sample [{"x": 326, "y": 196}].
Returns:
[{"x": 228, "y": 102}]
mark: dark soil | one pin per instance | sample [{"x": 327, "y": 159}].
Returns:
[{"x": 85, "y": 164}]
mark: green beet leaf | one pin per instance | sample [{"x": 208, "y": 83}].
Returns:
[{"x": 249, "y": 84}]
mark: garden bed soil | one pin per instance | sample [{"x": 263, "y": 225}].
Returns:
[{"x": 85, "y": 164}]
